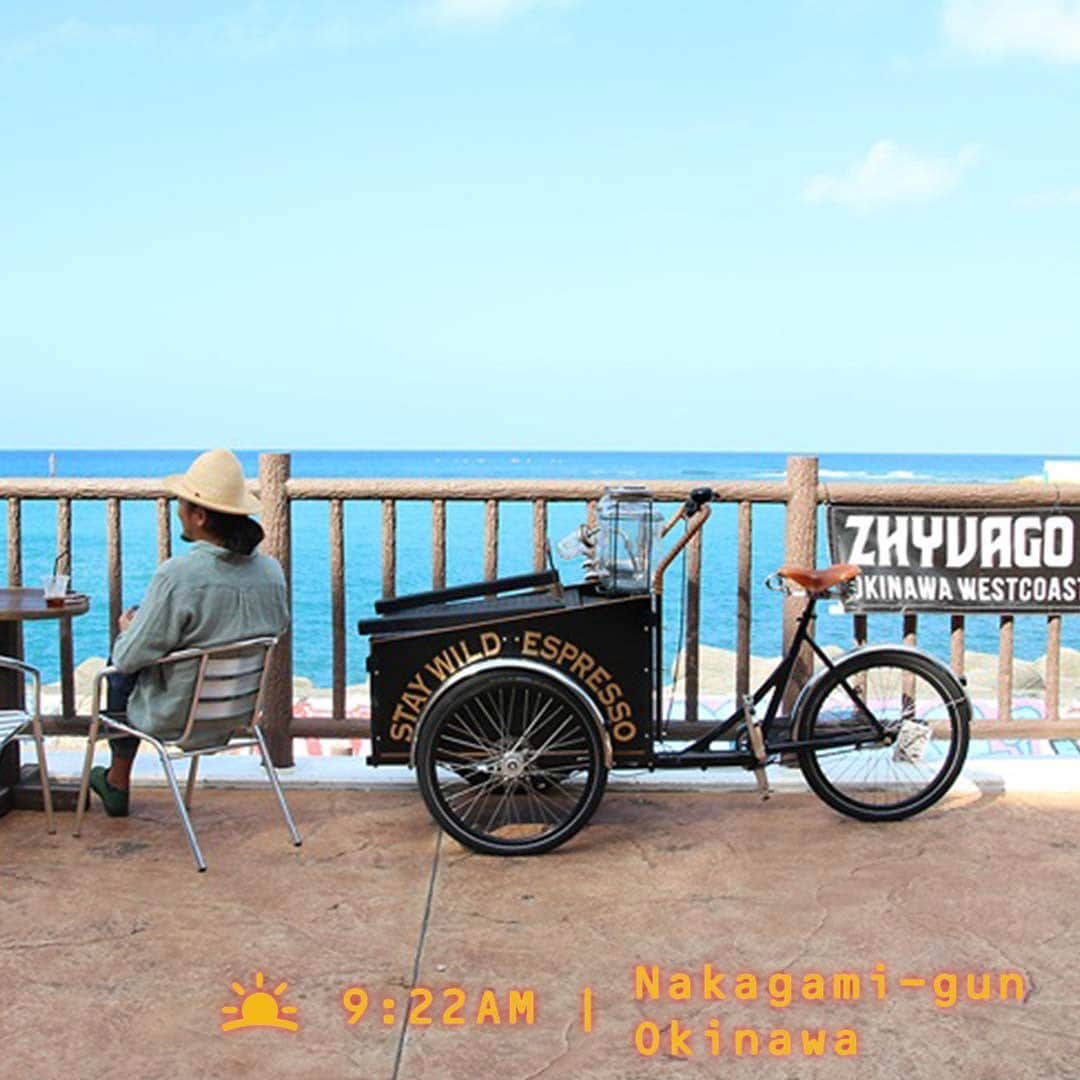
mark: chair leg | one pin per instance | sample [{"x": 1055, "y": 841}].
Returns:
[
  {"x": 181, "y": 809},
  {"x": 84, "y": 786},
  {"x": 271, "y": 772},
  {"x": 43, "y": 772},
  {"x": 189, "y": 789}
]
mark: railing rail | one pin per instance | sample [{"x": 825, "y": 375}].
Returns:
[{"x": 801, "y": 492}]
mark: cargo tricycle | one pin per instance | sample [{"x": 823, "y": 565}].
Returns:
[{"x": 514, "y": 698}]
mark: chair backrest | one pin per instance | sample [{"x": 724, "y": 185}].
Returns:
[
  {"x": 12, "y": 721},
  {"x": 228, "y": 689}
]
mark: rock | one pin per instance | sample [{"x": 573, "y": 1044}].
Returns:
[
  {"x": 1070, "y": 664},
  {"x": 302, "y": 688},
  {"x": 717, "y": 672},
  {"x": 717, "y": 669},
  {"x": 84, "y": 683}
]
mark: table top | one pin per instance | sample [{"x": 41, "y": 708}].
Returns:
[{"x": 17, "y": 605}]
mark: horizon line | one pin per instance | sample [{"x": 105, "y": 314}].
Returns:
[{"x": 531, "y": 450}]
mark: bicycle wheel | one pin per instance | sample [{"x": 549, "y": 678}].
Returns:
[
  {"x": 510, "y": 763},
  {"x": 900, "y": 770}
]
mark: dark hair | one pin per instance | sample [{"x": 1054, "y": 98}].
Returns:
[{"x": 239, "y": 534}]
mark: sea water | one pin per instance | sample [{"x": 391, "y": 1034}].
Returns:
[{"x": 464, "y": 557}]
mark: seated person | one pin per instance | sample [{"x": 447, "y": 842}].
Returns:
[{"x": 221, "y": 591}]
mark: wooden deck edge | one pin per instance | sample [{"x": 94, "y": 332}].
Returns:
[{"x": 326, "y": 727}]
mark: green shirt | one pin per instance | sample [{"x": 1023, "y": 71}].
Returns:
[{"x": 207, "y": 597}]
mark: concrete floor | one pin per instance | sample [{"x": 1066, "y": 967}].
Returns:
[{"x": 116, "y": 958}]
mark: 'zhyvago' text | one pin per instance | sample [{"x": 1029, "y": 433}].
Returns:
[{"x": 959, "y": 542}]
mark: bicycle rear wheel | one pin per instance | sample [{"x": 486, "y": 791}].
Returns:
[{"x": 907, "y": 765}]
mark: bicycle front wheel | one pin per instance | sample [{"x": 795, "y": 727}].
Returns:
[
  {"x": 510, "y": 763},
  {"x": 892, "y": 727}
]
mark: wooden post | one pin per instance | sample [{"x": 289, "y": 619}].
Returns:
[
  {"x": 14, "y": 544},
  {"x": 540, "y": 529},
  {"x": 389, "y": 548},
  {"x": 274, "y": 470},
  {"x": 491, "y": 540},
  {"x": 1053, "y": 667},
  {"x": 956, "y": 644},
  {"x": 800, "y": 549},
  {"x": 438, "y": 543},
  {"x": 113, "y": 559},
  {"x": 742, "y": 648},
  {"x": 590, "y": 513},
  {"x": 164, "y": 531},
  {"x": 12, "y": 694},
  {"x": 337, "y": 605},
  {"x": 67, "y": 645},
  {"x": 910, "y": 688},
  {"x": 1005, "y": 668},
  {"x": 693, "y": 627}
]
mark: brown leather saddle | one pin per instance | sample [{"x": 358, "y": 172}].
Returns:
[{"x": 819, "y": 581}]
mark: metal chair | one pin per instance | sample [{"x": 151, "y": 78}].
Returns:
[
  {"x": 14, "y": 724},
  {"x": 225, "y": 710}
]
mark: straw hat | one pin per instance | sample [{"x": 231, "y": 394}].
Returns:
[{"x": 215, "y": 481}]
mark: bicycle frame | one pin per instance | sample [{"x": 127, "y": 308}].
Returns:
[{"x": 699, "y": 755}]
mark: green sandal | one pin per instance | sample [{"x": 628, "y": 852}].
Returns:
[{"x": 114, "y": 800}]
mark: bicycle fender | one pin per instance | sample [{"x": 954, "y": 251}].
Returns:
[
  {"x": 531, "y": 666},
  {"x": 866, "y": 650}
]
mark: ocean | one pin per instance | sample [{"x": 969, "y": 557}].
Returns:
[{"x": 311, "y": 573}]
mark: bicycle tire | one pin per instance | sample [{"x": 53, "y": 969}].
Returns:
[
  {"x": 510, "y": 763},
  {"x": 871, "y": 779}
]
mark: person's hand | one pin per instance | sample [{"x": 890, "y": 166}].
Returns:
[{"x": 126, "y": 619}]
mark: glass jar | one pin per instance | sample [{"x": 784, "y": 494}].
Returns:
[{"x": 629, "y": 528}]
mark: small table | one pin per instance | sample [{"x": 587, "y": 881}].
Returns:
[{"x": 17, "y": 606}]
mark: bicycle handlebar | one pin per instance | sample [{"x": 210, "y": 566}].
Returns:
[
  {"x": 697, "y": 499},
  {"x": 696, "y": 512}
]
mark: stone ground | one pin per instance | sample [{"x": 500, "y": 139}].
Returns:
[{"x": 116, "y": 958}]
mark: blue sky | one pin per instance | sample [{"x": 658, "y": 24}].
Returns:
[{"x": 613, "y": 224}]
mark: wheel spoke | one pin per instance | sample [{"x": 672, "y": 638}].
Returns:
[
  {"x": 512, "y": 765},
  {"x": 562, "y": 727},
  {"x": 468, "y": 726},
  {"x": 468, "y": 743},
  {"x": 540, "y": 715}
]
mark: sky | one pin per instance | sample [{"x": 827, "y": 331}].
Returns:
[{"x": 816, "y": 225}]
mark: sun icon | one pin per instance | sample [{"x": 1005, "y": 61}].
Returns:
[{"x": 259, "y": 1008}]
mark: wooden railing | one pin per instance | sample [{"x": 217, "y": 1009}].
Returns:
[{"x": 801, "y": 493}]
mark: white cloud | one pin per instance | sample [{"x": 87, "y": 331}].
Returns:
[
  {"x": 889, "y": 175},
  {"x": 1044, "y": 29},
  {"x": 1063, "y": 197},
  {"x": 479, "y": 11}
]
